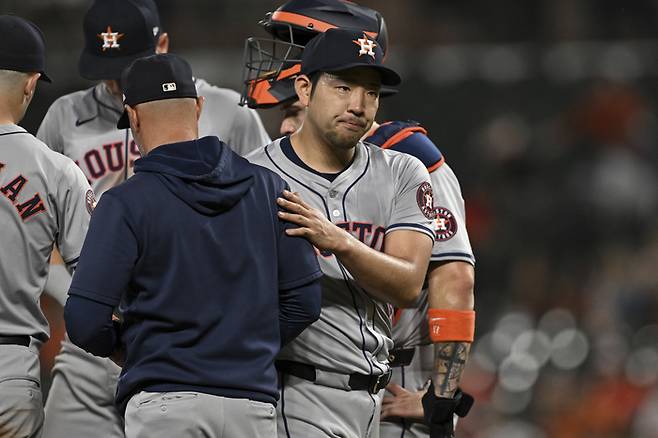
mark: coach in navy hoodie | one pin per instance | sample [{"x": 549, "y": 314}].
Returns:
[{"x": 207, "y": 281}]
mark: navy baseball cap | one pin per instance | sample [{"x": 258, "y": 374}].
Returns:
[
  {"x": 341, "y": 49},
  {"x": 22, "y": 46},
  {"x": 116, "y": 33},
  {"x": 156, "y": 77}
]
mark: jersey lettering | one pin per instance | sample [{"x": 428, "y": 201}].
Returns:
[
  {"x": 108, "y": 158},
  {"x": 31, "y": 207},
  {"x": 95, "y": 164},
  {"x": 111, "y": 163},
  {"x": 363, "y": 232},
  {"x": 14, "y": 187},
  {"x": 28, "y": 208}
]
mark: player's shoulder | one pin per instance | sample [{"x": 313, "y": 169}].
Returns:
[
  {"x": 263, "y": 155},
  {"x": 408, "y": 137},
  {"x": 215, "y": 94},
  {"x": 78, "y": 103}
]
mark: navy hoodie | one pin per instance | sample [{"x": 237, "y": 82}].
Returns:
[{"x": 193, "y": 252}]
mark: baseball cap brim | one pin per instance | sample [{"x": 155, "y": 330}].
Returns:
[
  {"x": 389, "y": 77},
  {"x": 44, "y": 77},
  {"x": 99, "y": 68}
]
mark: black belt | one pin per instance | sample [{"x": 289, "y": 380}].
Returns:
[
  {"x": 15, "y": 340},
  {"x": 401, "y": 357},
  {"x": 357, "y": 382}
]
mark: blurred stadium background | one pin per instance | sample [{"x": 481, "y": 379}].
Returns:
[{"x": 546, "y": 110}]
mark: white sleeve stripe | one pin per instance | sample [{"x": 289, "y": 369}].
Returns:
[
  {"x": 414, "y": 227},
  {"x": 454, "y": 256}
]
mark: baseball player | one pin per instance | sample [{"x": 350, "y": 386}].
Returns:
[
  {"x": 45, "y": 200},
  {"x": 82, "y": 126},
  {"x": 451, "y": 271},
  {"x": 196, "y": 363},
  {"x": 368, "y": 211}
]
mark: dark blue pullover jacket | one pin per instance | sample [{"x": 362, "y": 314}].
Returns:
[{"x": 208, "y": 283}]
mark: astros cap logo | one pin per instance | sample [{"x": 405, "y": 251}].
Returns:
[
  {"x": 110, "y": 39},
  {"x": 367, "y": 46}
]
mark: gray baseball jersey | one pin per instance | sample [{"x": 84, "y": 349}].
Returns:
[
  {"x": 45, "y": 200},
  {"x": 410, "y": 328},
  {"x": 82, "y": 125},
  {"x": 451, "y": 244},
  {"x": 380, "y": 192}
]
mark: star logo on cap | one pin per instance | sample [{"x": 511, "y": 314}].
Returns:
[
  {"x": 110, "y": 39},
  {"x": 367, "y": 46}
]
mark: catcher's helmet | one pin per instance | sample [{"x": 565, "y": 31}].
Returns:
[{"x": 271, "y": 65}]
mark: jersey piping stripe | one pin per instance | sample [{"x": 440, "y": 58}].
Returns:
[
  {"x": 70, "y": 262},
  {"x": 455, "y": 254},
  {"x": 14, "y": 132},
  {"x": 415, "y": 226},
  {"x": 326, "y": 209},
  {"x": 354, "y": 183},
  {"x": 283, "y": 404},
  {"x": 370, "y": 364}
]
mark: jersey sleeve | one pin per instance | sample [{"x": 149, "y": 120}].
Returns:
[
  {"x": 413, "y": 203},
  {"x": 297, "y": 261},
  {"x": 109, "y": 254},
  {"x": 50, "y": 129},
  {"x": 452, "y": 242},
  {"x": 247, "y": 132},
  {"x": 74, "y": 205}
]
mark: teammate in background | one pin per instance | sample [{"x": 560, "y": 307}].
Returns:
[
  {"x": 82, "y": 126},
  {"x": 366, "y": 211},
  {"x": 188, "y": 351},
  {"x": 450, "y": 275},
  {"x": 45, "y": 200}
]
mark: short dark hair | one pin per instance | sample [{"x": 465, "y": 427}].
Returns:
[{"x": 315, "y": 78}]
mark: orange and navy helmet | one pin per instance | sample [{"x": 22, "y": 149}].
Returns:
[{"x": 271, "y": 65}]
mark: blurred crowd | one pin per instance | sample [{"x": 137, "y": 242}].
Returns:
[{"x": 560, "y": 179}]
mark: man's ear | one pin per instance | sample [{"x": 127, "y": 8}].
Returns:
[
  {"x": 30, "y": 86},
  {"x": 199, "y": 106},
  {"x": 163, "y": 43},
  {"x": 134, "y": 119},
  {"x": 303, "y": 87}
]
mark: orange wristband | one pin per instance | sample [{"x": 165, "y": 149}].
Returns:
[{"x": 451, "y": 325}]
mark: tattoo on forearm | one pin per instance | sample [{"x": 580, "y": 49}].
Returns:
[{"x": 449, "y": 362}]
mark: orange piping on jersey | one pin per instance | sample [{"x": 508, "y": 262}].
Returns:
[
  {"x": 436, "y": 165},
  {"x": 396, "y": 316},
  {"x": 401, "y": 135},
  {"x": 308, "y": 23}
]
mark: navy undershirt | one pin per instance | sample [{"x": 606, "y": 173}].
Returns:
[{"x": 288, "y": 151}]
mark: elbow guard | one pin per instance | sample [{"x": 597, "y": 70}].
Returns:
[{"x": 451, "y": 325}]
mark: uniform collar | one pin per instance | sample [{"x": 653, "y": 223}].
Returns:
[{"x": 10, "y": 129}]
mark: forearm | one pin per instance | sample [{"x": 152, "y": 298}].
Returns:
[
  {"x": 89, "y": 325},
  {"x": 450, "y": 288},
  {"x": 384, "y": 276}
]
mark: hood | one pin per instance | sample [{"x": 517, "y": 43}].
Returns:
[{"x": 203, "y": 173}]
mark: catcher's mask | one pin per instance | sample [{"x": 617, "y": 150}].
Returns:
[{"x": 271, "y": 65}]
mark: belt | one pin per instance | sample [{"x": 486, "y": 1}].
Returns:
[
  {"x": 15, "y": 340},
  {"x": 357, "y": 382},
  {"x": 401, "y": 357}
]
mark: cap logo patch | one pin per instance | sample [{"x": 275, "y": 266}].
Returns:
[
  {"x": 367, "y": 46},
  {"x": 156, "y": 29},
  {"x": 169, "y": 86},
  {"x": 110, "y": 39},
  {"x": 425, "y": 200}
]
